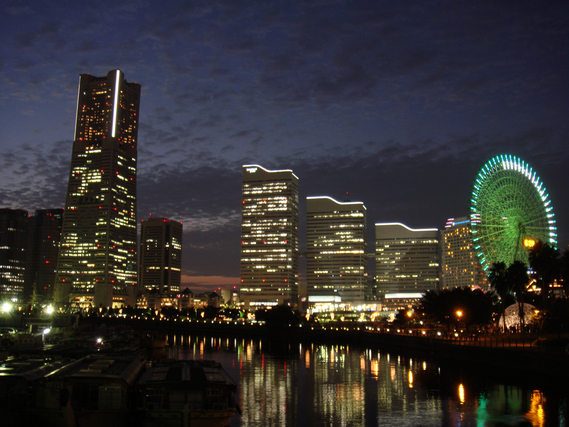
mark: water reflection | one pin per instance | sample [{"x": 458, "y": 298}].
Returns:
[{"x": 334, "y": 385}]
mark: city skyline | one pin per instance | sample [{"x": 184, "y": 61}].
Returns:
[{"x": 399, "y": 105}]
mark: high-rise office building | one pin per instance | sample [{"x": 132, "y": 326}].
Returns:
[
  {"x": 407, "y": 260},
  {"x": 336, "y": 258},
  {"x": 98, "y": 257},
  {"x": 160, "y": 255},
  {"x": 44, "y": 231},
  {"x": 269, "y": 237},
  {"x": 13, "y": 240},
  {"x": 459, "y": 264}
]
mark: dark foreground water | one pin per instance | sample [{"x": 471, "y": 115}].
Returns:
[{"x": 334, "y": 385}]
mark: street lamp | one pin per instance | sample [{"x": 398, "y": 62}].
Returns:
[{"x": 459, "y": 315}]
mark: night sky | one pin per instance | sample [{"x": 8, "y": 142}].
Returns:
[{"x": 397, "y": 103}]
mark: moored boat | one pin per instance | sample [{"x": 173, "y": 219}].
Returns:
[
  {"x": 92, "y": 391},
  {"x": 185, "y": 393}
]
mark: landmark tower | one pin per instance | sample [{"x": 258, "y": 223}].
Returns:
[{"x": 97, "y": 264}]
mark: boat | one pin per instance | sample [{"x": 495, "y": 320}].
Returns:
[
  {"x": 20, "y": 380},
  {"x": 92, "y": 391},
  {"x": 185, "y": 393}
]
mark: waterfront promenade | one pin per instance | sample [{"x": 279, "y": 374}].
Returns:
[{"x": 514, "y": 353}]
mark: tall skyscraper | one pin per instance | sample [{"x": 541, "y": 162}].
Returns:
[
  {"x": 269, "y": 236},
  {"x": 161, "y": 255},
  {"x": 44, "y": 231},
  {"x": 13, "y": 239},
  {"x": 98, "y": 256},
  {"x": 407, "y": 260},
  {"x": 336, "y": 258},
  {"x": 459, "y": 264}
]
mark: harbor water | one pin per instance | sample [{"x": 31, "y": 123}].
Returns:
[{"x": 282, "y": 384}]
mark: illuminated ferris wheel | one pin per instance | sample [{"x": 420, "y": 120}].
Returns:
[{"x": 510, "y": 212}]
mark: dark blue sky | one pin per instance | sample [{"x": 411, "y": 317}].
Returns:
[{"x": 399, "y": 103}]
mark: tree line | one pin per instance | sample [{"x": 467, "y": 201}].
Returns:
[{"x": 516, "y": 283}]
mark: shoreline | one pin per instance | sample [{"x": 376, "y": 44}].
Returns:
[{"x": 521, "y": 357}]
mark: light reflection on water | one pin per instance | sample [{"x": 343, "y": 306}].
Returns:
[{"x": 335, "y": 385}]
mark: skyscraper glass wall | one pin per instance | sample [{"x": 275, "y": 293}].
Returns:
[
  {"x": 407, "y": 260},
  {"x": 13, "y": 241},
  {"x": 161, "y": 255},
  {"x": 336, "y": 259},
  {"x": 269, "y": 237},
  {"x": 459, "y": 264}
]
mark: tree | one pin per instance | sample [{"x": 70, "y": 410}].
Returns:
[
  {"x": 442, "y": 306},
  {"x": 564, "y": 271},
  {"x": 517, "y": 279},
  {"x": 499, "y": 282},
  {"x": 279, "y": 315},
  {"x": 546, "y": 265}
]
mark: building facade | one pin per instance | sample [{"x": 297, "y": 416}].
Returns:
[
  {"x": 13, "y": 242},
  {"x": 459, "y": 264},
  {"x": 269, "y": 237},
  {"x": 407, "y": 260},
  {"x": 44, "y": 232},
  {"x": 161, "y": 255},
  {"x": 97, "y": 263},
  {"x": 336, "y": 258}
]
